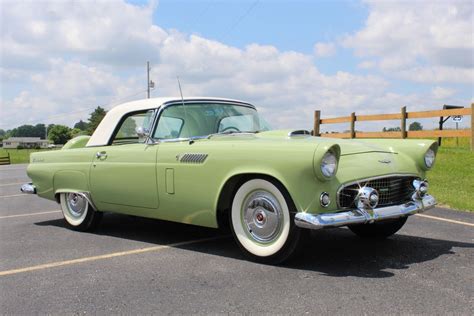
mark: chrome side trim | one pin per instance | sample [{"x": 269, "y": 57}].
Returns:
[
  {"x": 28, "y": 188},
  {"x": 352, "y": 217}
]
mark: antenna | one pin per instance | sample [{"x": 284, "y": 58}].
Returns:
[
  {"x": 180, "y": 91},
  {"x": 182, "y": 101}
]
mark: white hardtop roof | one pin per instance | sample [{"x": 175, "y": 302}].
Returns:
[{"x": 107, "y": 126}]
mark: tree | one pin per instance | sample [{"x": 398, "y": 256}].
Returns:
[
  {"x": 415, "y": 126},
  {"x": 77, "y": 132},
  {"x": 39, "y": 130},
  {"x": 59, "y": 134},
  {"x": 81, "y": 125},
  {"x": 95, "y": 118},
  {"x": 392, "y": 129},
  {"x": 2, "y": 132},
  {"x": 23, "y": 131}
]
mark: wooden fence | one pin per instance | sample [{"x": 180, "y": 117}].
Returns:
[
  {"x": 402, "y": 116},
  {"x": 5, "y": 160}
]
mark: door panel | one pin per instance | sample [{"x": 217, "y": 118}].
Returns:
[{"x": 125, "y": 175}]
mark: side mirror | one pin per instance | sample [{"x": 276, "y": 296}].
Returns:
[{"x": 142, "y": 132}]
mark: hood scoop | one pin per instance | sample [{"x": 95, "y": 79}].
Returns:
[{"x": 299, "y": 132}]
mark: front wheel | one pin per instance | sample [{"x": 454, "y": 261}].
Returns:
[
  {"x": 262, "y": 222},
  {"x": 78, "y": 213},
  {"x": 378, "y": 230}
]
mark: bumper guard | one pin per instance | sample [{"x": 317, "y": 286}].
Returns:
[
  {"x": 28, "y": 188},
  {"x": 363, "y": 216}
]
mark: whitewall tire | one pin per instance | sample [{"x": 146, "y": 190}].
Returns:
[
  {"x": 262, "y": 221},
  {"x": 77, "y": 212}
]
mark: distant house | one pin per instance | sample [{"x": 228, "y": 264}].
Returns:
[{"x": 25, "y": 142}]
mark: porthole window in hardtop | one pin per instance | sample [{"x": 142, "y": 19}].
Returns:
[
  {"x": 201, "y": 119},
  {"x": 127, "y": 133}
]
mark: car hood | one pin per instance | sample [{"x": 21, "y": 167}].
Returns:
[{"x": 348, "y": 147}]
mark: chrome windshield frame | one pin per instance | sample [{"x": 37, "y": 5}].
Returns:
[{"x": 150, "y": 140}]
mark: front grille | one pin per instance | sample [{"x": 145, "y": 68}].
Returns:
[{"x": 393, "y": 190}]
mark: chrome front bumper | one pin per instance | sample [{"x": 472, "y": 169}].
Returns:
[
  {"x": 28, "y": 188},
  {"x": 363, "y": 216}
]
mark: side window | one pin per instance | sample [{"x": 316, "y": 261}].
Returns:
[
  {"x": 242, "y": 123},
  {"x": 168, "y": 127},
  {"x": 127, "y": 133}
]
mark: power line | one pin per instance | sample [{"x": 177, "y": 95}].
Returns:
[{"x": 239, "y": 19}]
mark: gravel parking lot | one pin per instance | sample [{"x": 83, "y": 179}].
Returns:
[{"x": 134, "y": 265}]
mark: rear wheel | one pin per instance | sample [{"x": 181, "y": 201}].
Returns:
[
  {"x": 78, "y": 213},
  {"x": 378, "y": 230},
  {"x": 262, "y": 222}
]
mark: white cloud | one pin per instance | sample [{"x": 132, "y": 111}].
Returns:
[
  {"x": 442, "y": 93},
  {"x": 65, "y": 94},
  {"x": 432, "y": 39},
  {"x": 367, "y": 64},
  {"x": 110, "y": 32},
  {"x": 67, "y": 57},
  {"x": 324, "y": 49}
]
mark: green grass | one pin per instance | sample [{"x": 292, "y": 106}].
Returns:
[
  {"x": 19, "y": 155},
  {"x": 451, "y": 180}
]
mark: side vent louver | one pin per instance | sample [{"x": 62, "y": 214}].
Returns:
[{"x": 192, "y": 158}]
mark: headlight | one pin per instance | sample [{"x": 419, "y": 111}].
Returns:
[
  {"x": 429, "y": 158},
  {"x": 329, "y": 164}
]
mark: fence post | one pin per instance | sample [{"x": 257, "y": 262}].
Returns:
[
  {"x": 403, "y": 123},
  {"x": 317, "y": 122},
  {"x": 353, "y": 118},
  {"x": 472, "y": 127}
]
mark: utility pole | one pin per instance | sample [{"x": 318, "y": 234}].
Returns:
[
  {"x": 149, "y": 83},
  {"x": 148, "y": 79}
]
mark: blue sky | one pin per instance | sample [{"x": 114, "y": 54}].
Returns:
[
  {"x": 61, "y": 58},
  {"x": 294, "y": 25}
]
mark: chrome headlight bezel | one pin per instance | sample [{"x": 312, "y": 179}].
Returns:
[
  {"x": 329, "y": 164},
  {"x": 323, "y": 156},
  {"x": 429, "y": 158}
]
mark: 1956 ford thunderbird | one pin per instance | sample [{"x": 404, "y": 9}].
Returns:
[{"x": 214, "y": 162}]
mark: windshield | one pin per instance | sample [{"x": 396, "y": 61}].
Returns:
[{"x": 202, "y": 119}]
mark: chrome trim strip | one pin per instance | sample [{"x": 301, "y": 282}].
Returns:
[
  {"x": 165, "y": 105},
  {"x": 28, "y": 188},
  {"x": 352, "y": 217},
  {"x": 197, "y": 101},
  {"x": 370, "y": 179}
]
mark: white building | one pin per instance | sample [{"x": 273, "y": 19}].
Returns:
[{"x": 25, "y": 142}]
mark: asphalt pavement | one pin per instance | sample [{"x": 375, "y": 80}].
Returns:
[{"x": 132, "y": 265}]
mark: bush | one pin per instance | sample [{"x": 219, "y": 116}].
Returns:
[{"x": 20, "y": 147}]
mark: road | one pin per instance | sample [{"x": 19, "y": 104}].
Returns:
[{"x": 132, "y": 265}]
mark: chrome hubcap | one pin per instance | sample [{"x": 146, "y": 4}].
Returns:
[
  {"x": 76, "y": 204},
  {"x": 262, "y": 216}
]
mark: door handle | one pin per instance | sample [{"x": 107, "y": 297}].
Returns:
[{"x": 101, "y": 155}]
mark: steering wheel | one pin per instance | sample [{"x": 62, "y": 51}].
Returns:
[{"x": 228, "y": 128}]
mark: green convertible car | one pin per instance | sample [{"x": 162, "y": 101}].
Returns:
[{"x": 214, "y": 162}]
